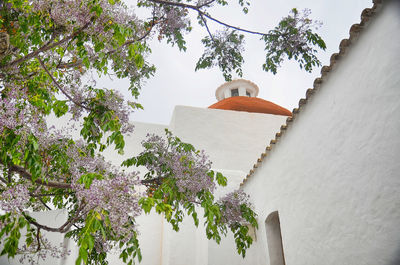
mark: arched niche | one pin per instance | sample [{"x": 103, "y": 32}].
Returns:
[{"x": 274, "y": 239}]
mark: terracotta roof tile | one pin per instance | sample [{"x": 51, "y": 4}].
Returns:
[{"x": 250, "y": 104}]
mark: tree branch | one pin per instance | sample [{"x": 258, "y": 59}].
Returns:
[
  {"x": 45, "y": 205},
  {"x": 31, "y": 220},
  {"x": 151, "y": 181},
  {"x": 230, "y": 26},
  {"x": 25, "y": 174},
  {"x": 44, "y": 48},
  {"x": 9, "y": 176},
  {"x": 79, "y": 62},
  {"x": 206, "y": 4},
  {"x": 38, "y": 238},
  {"x": 197, "y": 9},
  {"x": 49, "y": 194},
  {"x": 62, "y": 229},
  {"x": 3, "y": 180},
  {"x": 205, "y": 24},
  {"x": 60, "y": 88}
]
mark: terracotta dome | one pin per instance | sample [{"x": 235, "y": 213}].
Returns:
[{"x": 250, "y": 104}]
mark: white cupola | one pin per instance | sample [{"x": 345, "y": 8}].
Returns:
[{"x": 238, "y": 87}]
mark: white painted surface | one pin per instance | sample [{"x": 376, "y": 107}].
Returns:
[
  {"x": 334, "y": 176},
  {"x": 224, "y": 90},
  {"x": 232, "y": 139}
]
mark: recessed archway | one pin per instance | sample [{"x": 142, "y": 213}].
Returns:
[{"x": 274, "y": 239}]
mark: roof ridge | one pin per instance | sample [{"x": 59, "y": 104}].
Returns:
[{"x": 354, "y": 33}]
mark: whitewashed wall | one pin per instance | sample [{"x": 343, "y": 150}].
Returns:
[
  {"x": 334, "y": 176},
  {"x": 233, "y": 140}
]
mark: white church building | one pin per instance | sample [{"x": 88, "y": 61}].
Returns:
[{"x": 324, "y": 179}]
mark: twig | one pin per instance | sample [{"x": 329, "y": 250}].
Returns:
[
  {"x": 206, "y": 4},
  {"x": 9, "y": 176},
  {"x": 49, "y": 194},
  {"x": 45, "y": 205},
  {"x": 60, "y": 88},
  {"x": 62, "y": 229},
  {"x": 3, "y": 180},
  {"x": 197, "y": 9},
  {"x": 45, "y": 47},
  {"x": 38, "y": 238},
  {"x": 205, "y": 24}
]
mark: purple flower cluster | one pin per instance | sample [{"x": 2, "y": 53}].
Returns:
[
  {"x": 188, "y": 167},
  {"x": 231, "y": 204},
  {"x": 114, "y": 101},
  {"x": 11, "y": 115},
  {"x": 15, "y": 114},
  {"x": 115, "y": 193},
  {"x": 77, "y": 13},
  {"x": 297, "y": 41},
  {"x": 14, "y": 199},
  {"x": 174, "y": 20},
  {"x": 115, "y": 198}
]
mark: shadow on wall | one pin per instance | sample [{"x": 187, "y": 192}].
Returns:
[{"x": 396, "y": 258}]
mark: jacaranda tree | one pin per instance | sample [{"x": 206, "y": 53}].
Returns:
[{"x": 49, "y": 52}]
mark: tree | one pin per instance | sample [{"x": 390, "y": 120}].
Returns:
[{"x": 48, "y": 51}]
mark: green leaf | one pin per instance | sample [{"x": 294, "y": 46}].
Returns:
[
  {"x": 221, "y": 180},
  {"x": 88, "y": 178},
  {"x": 146, "y": 204},
  {"x": 90, "y": 241},
  {"x": 60, "y": 107},
  {"x": 78, "y": 261}
]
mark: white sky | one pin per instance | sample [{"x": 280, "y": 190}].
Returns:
[{"x": 176, "y": 82}]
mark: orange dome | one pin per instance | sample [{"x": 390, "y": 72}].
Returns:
[{"x": 250, "y": 104}]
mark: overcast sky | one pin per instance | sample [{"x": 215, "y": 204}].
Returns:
[{"x": 176, "y": 82}]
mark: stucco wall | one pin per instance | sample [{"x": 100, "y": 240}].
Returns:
[
  {"x": 334, "y": 176},
  {"x": 232, "y": 139}
]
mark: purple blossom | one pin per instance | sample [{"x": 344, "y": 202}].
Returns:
[
  {"x": 115, "y": 198},
  {"x": 114, "y": 101},
  {"x": 297, "y": 40},
  {"x": 231, "y": 204},
  {"x": 32, "y": 255},
  {"x": 188, "y": 167},
  {"x": 14, "y": 199}
]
